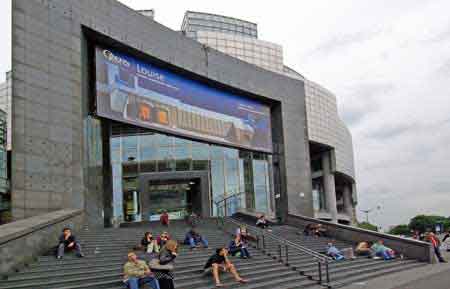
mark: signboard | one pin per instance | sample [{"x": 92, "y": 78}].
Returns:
[{"x": 142, "y": 94}]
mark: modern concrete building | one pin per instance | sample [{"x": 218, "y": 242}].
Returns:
[
  {"x": 330, "y": 142},
  {"x": 123, "y": 117}
]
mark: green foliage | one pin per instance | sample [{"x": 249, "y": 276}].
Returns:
[
  {"x": 400, "y": 230},
  {"x": 368, "y": 226},
  {"x": 423, "y": 223}
]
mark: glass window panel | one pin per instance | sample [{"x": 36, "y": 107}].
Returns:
[
  {"x": 129, "y": 148},
  {"x": 147, "y": 166},
  {"x": 182, "y": 152},
  {"x": 200, "y": 151},
  {"x": 217, "y": 180},
  {"x": 217, "y": 152},
  {"x": 183, "y": 165},
  {"x": 231, "y": 153},
  {"x": 200, "y": 165}
]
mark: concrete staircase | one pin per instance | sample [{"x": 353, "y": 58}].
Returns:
[
  {"x": 342, "y": 273},
  {"x": 106, "y": 251}
]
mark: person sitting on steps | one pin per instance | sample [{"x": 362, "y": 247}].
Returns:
[
  {"x": 149, "y": 243},
  {"x": 219, "y": 262},
  {"x": 239, "y": 246},
  {"x": 245, "y": 235},
  {"x": 137, "y": 272},
  {"x": 381, "y": 251},
  {"x": 193, "y": 239},
  {"x": 261, "y": 222},
  {"x": 334, "y": 252},
  {"x": 363, "y": 249},
  {"x": 68, "y": 242},
  {"x": 162, "y": 239},
  {"x": 166, "y": 258}
]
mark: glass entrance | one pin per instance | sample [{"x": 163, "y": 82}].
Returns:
[{"x": 174, "y": 196}]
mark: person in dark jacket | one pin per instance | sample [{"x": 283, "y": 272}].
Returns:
[
  {"x": 219, "y": 262},
  {"x": 239, "y": 246},
  {"x": 193, "y": 239},
  {"x": 68, "y": 242},
  {"x": 162, "y": 239},
  {"x": 167, "y": 256},
  {"x": 149, "y": 243}
]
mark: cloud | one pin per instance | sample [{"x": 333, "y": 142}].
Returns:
[
  {"x": 390, "y": 132},
  {"x": 344, "y": 40},
  {"x": 362, "y": 99}
]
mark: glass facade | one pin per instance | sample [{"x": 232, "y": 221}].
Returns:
[{"x": 135, "y": 151}]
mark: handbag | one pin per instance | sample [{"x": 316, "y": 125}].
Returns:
[{"x": 154, "y": 264}]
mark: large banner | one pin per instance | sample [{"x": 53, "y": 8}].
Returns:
[{"x": 131, "y": 91}]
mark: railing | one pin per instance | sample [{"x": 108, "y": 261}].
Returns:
[
  {"x": 280, "y": 248},
  {"x": 223, "y": 205}
]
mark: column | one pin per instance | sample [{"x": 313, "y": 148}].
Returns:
[
  {"x": 329, "y": 186},
  {"x": 348, "y": 204}
]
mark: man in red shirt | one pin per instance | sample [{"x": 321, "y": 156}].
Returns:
[
  {"x": 164, "y": 219},
  {"x": 434, "y": 240}
]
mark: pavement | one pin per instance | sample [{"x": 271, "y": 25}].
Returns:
[{"x": 431, "y": 276}]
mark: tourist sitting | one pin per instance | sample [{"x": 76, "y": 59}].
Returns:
[
  {"x": 363, "y": 249},
  {"x": 309, "y": 229},
  {"x": 434, "y": 240},
  {"x": 238, "y": 246},
  {"x": 381, "y": 251},
  {"x": 164, "y": 271},
  {"x": 245, "y": 235},
  {"x": 320, "y": 231},
  {"x": 334, "y": 252},
  {"x": 219, "y": 262},
  {"x": 149, "y": 244},
  {"x": 162, "y": 239},
  {"x": 68, "y": 242},
  {"x": 164, "y": 218},
  {"x": 137, "y": 272},
  {"x": 193, "y": 238},
  {"x": 261, "y": 222}
]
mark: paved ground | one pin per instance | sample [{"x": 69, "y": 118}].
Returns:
[{"x": 435, "y": 276}]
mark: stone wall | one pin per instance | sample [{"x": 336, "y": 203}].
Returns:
[{"x": 22, "y": 241}]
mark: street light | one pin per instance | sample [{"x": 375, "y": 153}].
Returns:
[{"x": 368, "y": 211}]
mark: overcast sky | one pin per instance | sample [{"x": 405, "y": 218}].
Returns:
[{"x": 388, "y": 62}]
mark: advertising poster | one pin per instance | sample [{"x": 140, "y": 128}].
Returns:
[{"x": 142, "y": 94}]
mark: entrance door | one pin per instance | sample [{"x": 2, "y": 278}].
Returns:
[
  {"x": 173, "y": 196},
  {"x": 179, "y": 193}
]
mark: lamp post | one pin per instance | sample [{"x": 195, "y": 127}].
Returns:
[{"x": 368, "y": 211}]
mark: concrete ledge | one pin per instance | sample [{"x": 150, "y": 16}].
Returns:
[
  {"x": 410, "y": 248},
  {"x": 22, "y": 241}
]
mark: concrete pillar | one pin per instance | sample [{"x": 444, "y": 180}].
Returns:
[
  {"x": 348, "y": 204},
  {"x": 329, "y": 186}
]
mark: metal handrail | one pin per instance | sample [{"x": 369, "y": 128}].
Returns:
[
  {"x": 262, "y": 236},
  {"x": 224, "y": 202}
]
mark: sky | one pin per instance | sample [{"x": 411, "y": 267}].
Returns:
[{"x": 388, "y": 63}]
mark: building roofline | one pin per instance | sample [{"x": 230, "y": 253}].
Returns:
[{"x": 224, "y": 16}]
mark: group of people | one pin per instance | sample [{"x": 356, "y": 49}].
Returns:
[
  {"x": 160, "y": 252},
  {"x": 155, "y": 266}
]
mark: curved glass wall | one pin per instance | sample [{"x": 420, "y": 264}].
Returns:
[{"x": 231, "y": 171}]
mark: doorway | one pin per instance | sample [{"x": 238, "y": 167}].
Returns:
[{"x": 178, "y": 193}]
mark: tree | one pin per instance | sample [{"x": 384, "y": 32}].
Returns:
[
  {"x": 368, "y": 226},
  {"x": 400, "y": 230},
  {"x": 424, "y": 223}
]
